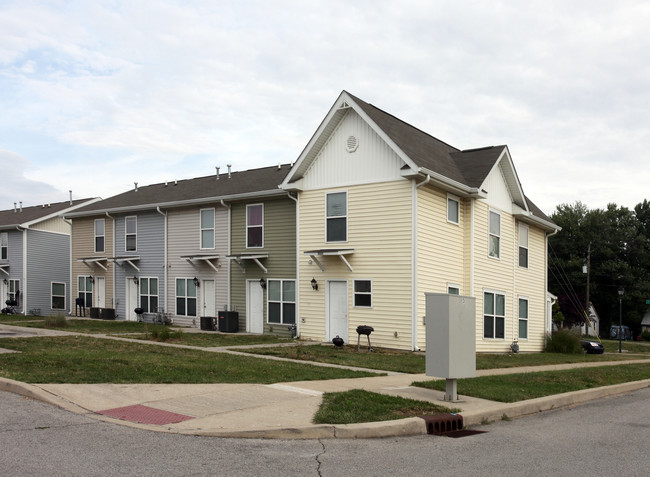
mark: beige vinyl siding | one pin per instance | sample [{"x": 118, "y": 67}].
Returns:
[
  {"x": 280, "y": 244},
  {"x": 55, "y": 224},
  {"x": 83, "y": 246},
  {"x": 441, "y": 250},
  {"x": 380, "y": 232},
  {"x": 183, "y": 239}
]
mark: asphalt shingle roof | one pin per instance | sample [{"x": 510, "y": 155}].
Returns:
[{"x": 13, "y": 217}]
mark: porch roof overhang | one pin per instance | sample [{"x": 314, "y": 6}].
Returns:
[
  {"x": 206, "y": 258},
  {"x": 119, "y": 261},
  {"x": 255, "y": 257},
  {"x": 91, "y": 261},
  {"x": 4, "y": 267},
  {"x": 325, "y": 252}
]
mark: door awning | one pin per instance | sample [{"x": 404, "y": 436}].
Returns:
[
  {"x": 326, "y": 252},
  {"x": 255, "y": 257},
  {"x": 91, "y": 261},
  {"x": 120, "y": 261},
  {"x": 208, "y": 259},
  {"x": 4, "y": 268}
]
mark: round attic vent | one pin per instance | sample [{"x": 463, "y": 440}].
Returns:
[{"x": 352, "y": 144}]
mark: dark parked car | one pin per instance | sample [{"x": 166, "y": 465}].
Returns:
[
  {"x": 614, "y": 332},
  {"x": 592, "y": 347}
]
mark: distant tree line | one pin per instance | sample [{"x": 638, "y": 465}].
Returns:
[{"x": 619, "y": 241}]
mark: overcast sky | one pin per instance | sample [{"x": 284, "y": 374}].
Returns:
[{"x": 96, "y": 95}]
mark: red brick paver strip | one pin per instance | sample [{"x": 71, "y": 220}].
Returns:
[{"x": 145, "y": 415}]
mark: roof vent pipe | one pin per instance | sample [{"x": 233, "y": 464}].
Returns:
[
  {"x": 217, "y": 168},
  {"x": 15, "y": 209},
  {"x": 70, "y": 191},
  {"x": 229, "y": 166},
  {"x": 136, "y": 186},
  {"x": 21, "y": 205},
  {"x": 279, "y": 166}
]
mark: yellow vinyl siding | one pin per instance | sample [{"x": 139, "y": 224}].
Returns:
[
  {"x": 441, "y": 250},
  {"x": 380, "y": 232}
]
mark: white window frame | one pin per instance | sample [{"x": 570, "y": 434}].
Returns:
[
  {"x": 205, "y": 229},
  {"x": 85, "y": 291},
  {"x": 102, "y": 236},
  {"x": 281, "y": 302},
  {"x": 12, "y": 287},
  {"x": 328, "y": 218},
  {"x": 453, "y": 286},
  {"x": 148, "y": 295},
  {"x": 186, "y": 297},
  {"x": 127, "y": 234},
  {"x": 521, "y": 319},
  {"x": 452, "y": 198},
  {"x": 248, "y": 226},
  {"x": 522, "y": 247},
  {"x": 355, "y": 292},
  {"x": 494, "y": 315},
  {"x": 4, "y": 245},
  {"x": 496, "y": 256},
  {"x": 52, "y": 296}
]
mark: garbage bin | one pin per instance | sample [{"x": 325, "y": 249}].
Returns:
[
  {"x": 208, "y": 323},
  {"x": 107, "y": 313},
  {"x": 229, "y": 321},
  {"x": 94, "y": 312}
]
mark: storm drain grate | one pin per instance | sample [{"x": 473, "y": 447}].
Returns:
[
  {"x": 145, "y": 415},
  {"x": 443, "y": 423},
  {"x": 463, "y": 433}
]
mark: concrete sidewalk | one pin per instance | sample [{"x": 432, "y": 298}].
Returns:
[{"x": 281, "y": 410}]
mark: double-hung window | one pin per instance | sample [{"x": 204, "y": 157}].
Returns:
[
  {"x": 100, "y": 235},
  {"x": 494, "y": 245},
  {"x": 14, "y": 290},
  {"x": 494, "y": 315},
  {"x": 207, "y": 228},
  {"x": 337, "y": 217},
  {"x": 131, "y": 234},
  {"x": 57, "y": 292},
  {"x": 363, "y": 293},
  {"x": 149, "y": 294},
  {"x": 255, "y": 226},
  {"x": 86, "y": 290},
  {"x": 185, "y": 297},
  {"x": 4, "y": 246},
  {"x": 282, "y": 301},
  {"x": 453, "y": 210},
  {"x": 523, "y": 245},
  {"x": 523, "y": 318}
]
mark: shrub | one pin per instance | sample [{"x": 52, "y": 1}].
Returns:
[
  {"x": 57, "y": 321},
  {"x": 645, "y": 335},
  {"x": 563, "y": 341},
  {"x": 163, "y": 335}
]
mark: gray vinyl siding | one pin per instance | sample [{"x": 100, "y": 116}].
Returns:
[
  {"x": 183, "y": 232},
  {"x": 48, "y": 260},
  {"x": 15, "y": 260},
  {"x": 279, "y": 243},
  {"x": 150, "y": 247}
]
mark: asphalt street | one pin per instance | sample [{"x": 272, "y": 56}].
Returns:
[{"x": 603, "y": 437}]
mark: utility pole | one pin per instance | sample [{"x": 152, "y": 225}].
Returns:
[{"x": 588, "y": 279}]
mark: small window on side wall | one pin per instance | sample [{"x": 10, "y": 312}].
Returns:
[
  {"x": 453, "y": 210},
  {"x": 523, "y": 245},
  {"x": 58, "y": 296},
  {"x": 131, "y": 234},
  {"x": 337, "y": 217},
  {"x": 363, "y": 294},
  {"x": 494, "y": 240}
]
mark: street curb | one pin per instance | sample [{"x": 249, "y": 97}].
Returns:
[{"x": 32, "y": 391}]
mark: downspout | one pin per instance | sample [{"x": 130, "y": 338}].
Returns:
[
  {"x": 414, "y": 261},
  {"x": 229, "y": 207},
  {"x": 113, "y": 277},
  {"x": 550, "y": 318},
  {"x": 24, "y": 277},
  {"x": 472, "y": 263},
  {"x": 295, "y": 199},
  {"x": 69, "y": 289},
  {"x": 515, "y": 298},
  {"x": 165, "y": 265}
]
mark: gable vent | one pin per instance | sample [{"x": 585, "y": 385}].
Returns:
[{"x": 352, "y": 144}]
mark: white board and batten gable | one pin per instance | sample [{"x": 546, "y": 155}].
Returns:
[{"x": 501, "y": 188}]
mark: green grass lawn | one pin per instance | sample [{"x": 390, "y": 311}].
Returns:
[
  {"x": 414, "y": 362},
  {"x": 358, "y": 405},
  {"x": 211, "y": 340},
  {"x": 522, "y": 386},
  {"x": 611, "y": 346},
  {"x": 82, "y": 359}
]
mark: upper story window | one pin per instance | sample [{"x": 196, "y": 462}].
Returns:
[
  {"x": 207, "y": 228},
  {"x": 453, "y": 210},
  {"x": 4, "y": 246},
  {"x": 131, "y": 234},
  {"x": 523, "y": 245},
  {"x": 255, "y": 226},
  {"x": 100, "y": 235},
  {"x": 337, "y": 217},
  {"x": 494, "y": 245}
]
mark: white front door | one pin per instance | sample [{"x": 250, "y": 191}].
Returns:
[
  {"x": 132, "y": 301},
  {"x": 207, "y": 298},
  {"x": 100, "y": 292},
  {"x": 254, "y": 307},
  {"x": 337, "y": 310}
]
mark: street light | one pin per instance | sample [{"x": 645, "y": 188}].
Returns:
[{"x": 621, "y": 290}]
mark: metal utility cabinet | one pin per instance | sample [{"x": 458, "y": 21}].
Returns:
[{"x": 451, "y": 338}]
